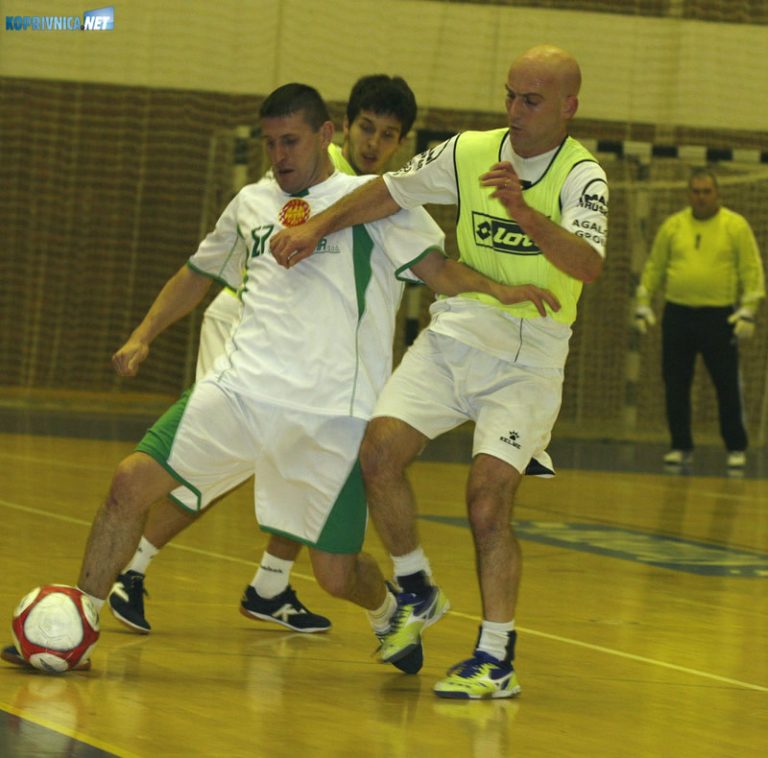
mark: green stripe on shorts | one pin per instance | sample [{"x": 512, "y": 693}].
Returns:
[
  {"x": 344, "y": 530},
  {"x": 158, "y": 442}
]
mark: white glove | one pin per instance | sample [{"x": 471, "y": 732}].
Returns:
[
  {"x": 744, "y": 323},
  {"x": 643, "y": 318}
]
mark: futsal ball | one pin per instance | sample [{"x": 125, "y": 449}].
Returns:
[{"x": 55, "y": 627}]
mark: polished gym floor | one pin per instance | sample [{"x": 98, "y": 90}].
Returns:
[{"x": 643, "y": 620}]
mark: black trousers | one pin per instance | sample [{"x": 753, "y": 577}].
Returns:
[{"x": 685, "y": 333}]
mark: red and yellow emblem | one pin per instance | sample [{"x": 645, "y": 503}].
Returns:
[{"x": 295, "y": 212}]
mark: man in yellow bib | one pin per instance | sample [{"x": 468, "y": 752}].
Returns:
[
  {"x": 706, "y": 259},
  {"x": 532, "y": 210}
]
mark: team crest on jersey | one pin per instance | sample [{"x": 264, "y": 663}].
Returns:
[
  {"x": 295, "y": 212},
  {"x": 503, "y": 235}
]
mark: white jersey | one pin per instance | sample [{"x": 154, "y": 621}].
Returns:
[
  {"x": 316, "y": 337},
  {"x": 430, "y": 177}
]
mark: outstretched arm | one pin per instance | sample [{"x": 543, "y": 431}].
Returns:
[
  {"x": 448, "y": 277},
  {"x": 561, "y": 248},
  {"x": 368, "y": 203},
  {"x": 181, "y": 293}
]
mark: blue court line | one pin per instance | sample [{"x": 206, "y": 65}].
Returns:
[{"x": 661, "y": 551}]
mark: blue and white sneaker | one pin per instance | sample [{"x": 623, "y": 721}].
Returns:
[
  {"x": 126, "y": 601},
  {"x": 284, "y": 609}
]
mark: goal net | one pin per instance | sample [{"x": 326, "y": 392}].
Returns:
[{"x": 121, "y": 150}]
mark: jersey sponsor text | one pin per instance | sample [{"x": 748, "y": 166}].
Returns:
[{"x": 502, "y": 235}]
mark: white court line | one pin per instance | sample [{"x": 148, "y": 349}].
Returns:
[
  {"x": 471, "y": 617},
  {"x": 628, "y": 656},
  {"x": 50, "y": 461}
]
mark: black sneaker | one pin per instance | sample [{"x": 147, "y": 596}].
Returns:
[
  {"x": 284, "y": 609},
  {"x": 126, "y": 601},
  {"x": 10, "y": 654}
]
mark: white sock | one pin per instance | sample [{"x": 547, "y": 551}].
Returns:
[
  {"x": 98, "y": 603},
  {"x": 272, "y": 577},
  {"x": 494, "y": 638},
  {"x": 381, "y": 616},
  {"x": 145, "y": 552},
  {"x": 411, "y": 563}
]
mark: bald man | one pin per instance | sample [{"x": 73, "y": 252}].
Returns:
[{"x": 532, "y": 210}]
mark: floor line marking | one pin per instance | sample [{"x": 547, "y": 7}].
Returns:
[
  {"x": 527, "y": 630},
  {"x": 76, "y": 734},
  {"x": 628, "y": 656}
]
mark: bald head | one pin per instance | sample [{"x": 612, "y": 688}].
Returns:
[
  {"x": 552, "y": 64},
  {"x": 542, "y": 97}
]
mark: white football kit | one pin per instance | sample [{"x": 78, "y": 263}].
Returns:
[
  {"x": 222, "y": 315},
  {"x": 290, "y": 398},
  {"x": 475, "y": 361}
]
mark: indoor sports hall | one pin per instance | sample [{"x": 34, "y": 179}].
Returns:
[{"x": 643, "y": 614}]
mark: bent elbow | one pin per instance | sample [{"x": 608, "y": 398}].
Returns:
[{"x": 592, "y": 271}]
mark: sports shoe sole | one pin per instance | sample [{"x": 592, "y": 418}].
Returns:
[
  {"x": 130, "y": 624},
  {"x": 409, "y": 663},
  {"x": 254, "y": 616},
  {"x": 498, "y": 694}
]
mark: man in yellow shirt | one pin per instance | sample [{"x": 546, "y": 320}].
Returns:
[{"x": 706, "y": 259}]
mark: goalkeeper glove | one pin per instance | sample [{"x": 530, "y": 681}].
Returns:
[
  {"x": 643, "y": 318},
  {"x": 743, "y": 321}
]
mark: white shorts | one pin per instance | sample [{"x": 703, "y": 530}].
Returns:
[
  {"x": 308, "y": 484},
  {"x": 219, "y": 320},
  {"x": 442, "y": 383}
]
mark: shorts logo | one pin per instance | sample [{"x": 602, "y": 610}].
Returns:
[
  {"x": 294, "y": 213},
  {"x": 511, "y": 439},
  {"x": 502, "y": 235}
]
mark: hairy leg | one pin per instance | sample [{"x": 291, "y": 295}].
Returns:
[
  {"x": 118, "y": 524},
  {"x": 490, "y": 492},
  {"x": 165, "y": 521},
  {"x": 388, "y": 448}
]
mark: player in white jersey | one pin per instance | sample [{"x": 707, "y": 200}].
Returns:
[
  {"x": 532, "y": 207},
  {"x": 380, "y": 112},
  {"x": 289, "y": 401}
]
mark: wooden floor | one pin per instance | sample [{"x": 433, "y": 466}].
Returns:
[{"x": 643, "y": 627}]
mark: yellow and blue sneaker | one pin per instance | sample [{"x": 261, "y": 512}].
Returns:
[
  {"x": 480, "y": 677},
  {"x": 413, "y": 615}
]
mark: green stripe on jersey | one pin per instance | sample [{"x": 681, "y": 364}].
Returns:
[{"x": 362, "y": 246}]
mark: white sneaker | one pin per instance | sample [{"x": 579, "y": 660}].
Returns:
[
  {"x": 736, "y": 459},
  {"x": 678, "y": 457}
]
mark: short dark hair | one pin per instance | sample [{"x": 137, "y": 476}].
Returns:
[
  {"x": 295, "y": 97},
  {"x": 701, "y": 173},
  {"x": 383, "y": 94}
]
